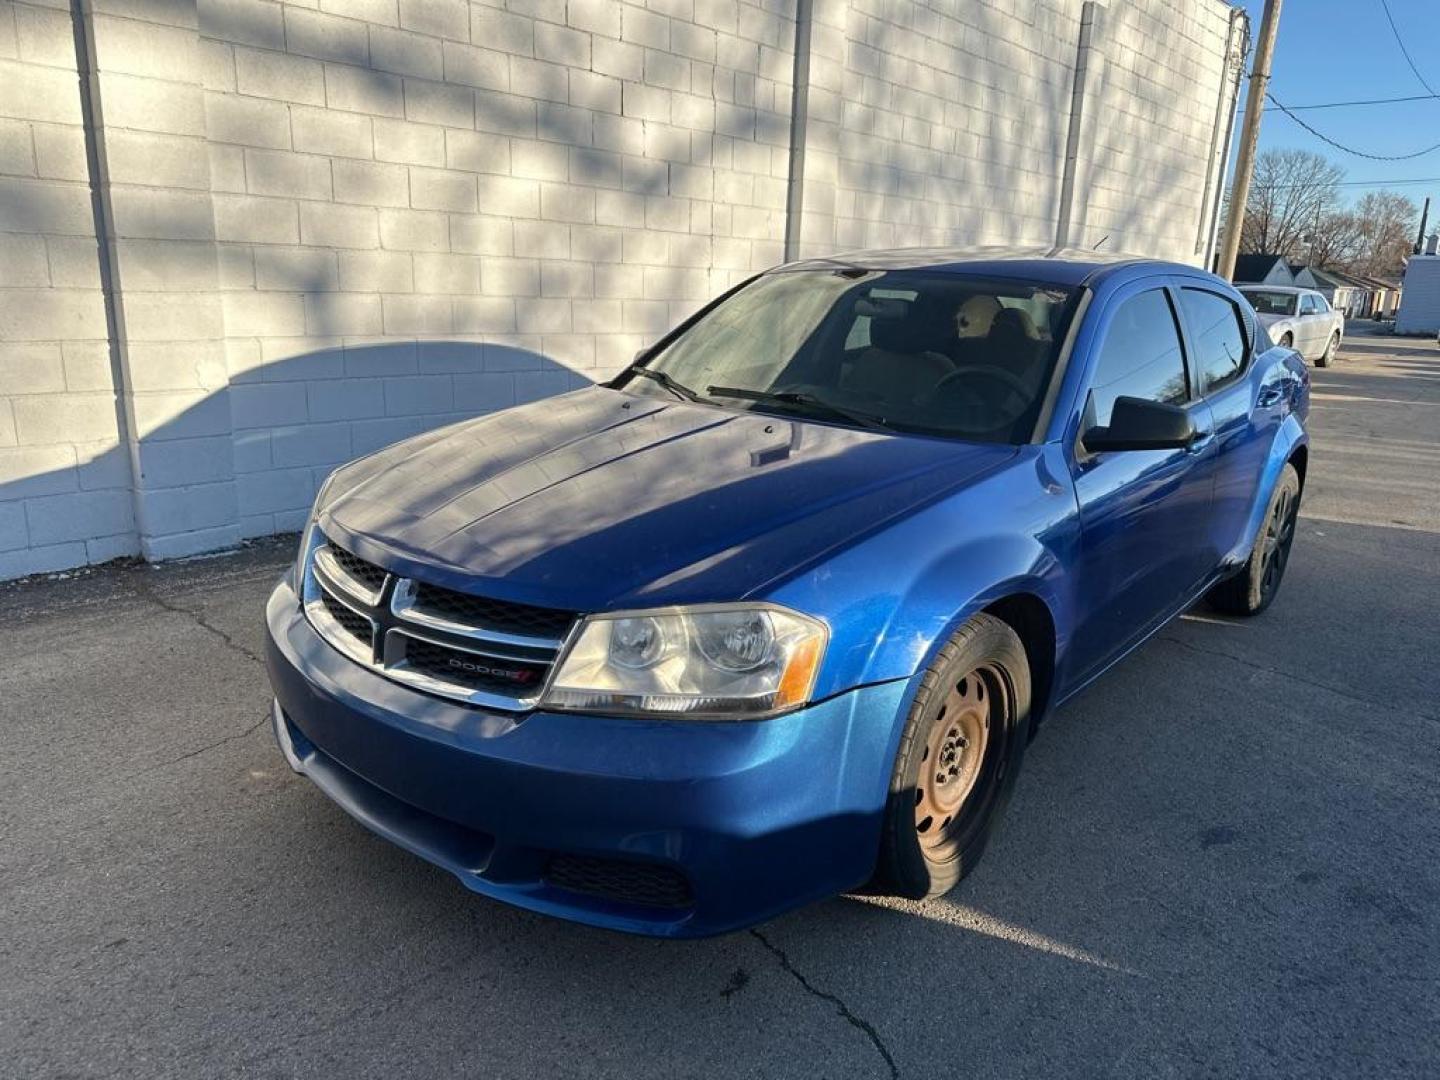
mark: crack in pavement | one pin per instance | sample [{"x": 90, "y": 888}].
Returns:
[
  {"x": 842, "y": 1009},
  {"x": 200, "y": 621},
  {"x": 210, "y": 746},
  {"x": 1301, "y": 679},
  {"x": 373, "y": 1008}
]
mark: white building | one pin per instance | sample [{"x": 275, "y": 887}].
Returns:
[
  {"x": 316, "y": 232},
  {"x": 1419, "y": 311}
]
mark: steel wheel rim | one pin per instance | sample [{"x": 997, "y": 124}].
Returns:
[
  {"x": 954, "y": 756},
  {"x": 1279, "y": 532}
]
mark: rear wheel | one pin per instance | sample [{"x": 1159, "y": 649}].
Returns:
[
  {"x": 1329, "y": 353},
  {"x": 1250, "y": 591},
  {"x": 957, "y": 762},
  {"x": 1287, "y": 340}
]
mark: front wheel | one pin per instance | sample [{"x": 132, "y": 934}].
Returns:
[
  {"x": 1250, "y": 591},
  {"x": 958, "y": 758},
  {"x": 1287, "y": 340},
  {"x": 1329, "y": 353}
]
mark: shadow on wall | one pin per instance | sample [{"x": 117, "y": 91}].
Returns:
[
  {"x": 246, "y": 460},
  {"x": 304, "y": 271}
]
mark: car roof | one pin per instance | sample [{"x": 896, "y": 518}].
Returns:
[
  {"x": 1058, "y": 266},
  {"x": 1255, "y": 286}
]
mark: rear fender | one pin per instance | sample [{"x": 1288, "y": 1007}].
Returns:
[{"x": 1288, "y": 439}]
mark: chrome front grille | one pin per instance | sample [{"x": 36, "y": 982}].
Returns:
[{"x": 456, "y": 645}]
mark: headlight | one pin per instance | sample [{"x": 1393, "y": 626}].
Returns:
[
  {"x": 722, "y": 662},
  {"x": 309, "y": 539}
]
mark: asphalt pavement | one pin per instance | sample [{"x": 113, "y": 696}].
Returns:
[{"x": 1222, "y": 860}]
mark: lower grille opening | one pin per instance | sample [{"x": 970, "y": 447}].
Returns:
[
  {"x": 468, "y": 669},
  {"x": 647, "y": 884},
  {"x": 357, "y": 626}
]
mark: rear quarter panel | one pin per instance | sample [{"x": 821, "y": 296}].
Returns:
[{"x": 1282, "y": 372}]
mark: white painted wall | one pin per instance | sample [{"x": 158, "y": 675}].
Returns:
[
  {"x": 1419, "y": 311},
  {"x": 332, "y": 227},
  {"x": 64, "y": 486}
]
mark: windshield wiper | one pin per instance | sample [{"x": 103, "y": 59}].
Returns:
[
  {"x": 680, "y": 390},
  {"x": 808, "y": 401}
]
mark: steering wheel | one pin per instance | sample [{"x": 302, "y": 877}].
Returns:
[{"x": 995, "y": 375}]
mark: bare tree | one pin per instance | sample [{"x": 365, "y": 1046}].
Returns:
[
  {"x": 1385, "y": 227},
  {"x": 1292, "y": 194},
  {"x": 1337, "y": 242}
]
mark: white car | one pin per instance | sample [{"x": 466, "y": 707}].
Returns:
[{"x": 1299, "y": 319}]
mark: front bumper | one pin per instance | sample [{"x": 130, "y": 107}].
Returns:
[{"x": 755, "y": 817}]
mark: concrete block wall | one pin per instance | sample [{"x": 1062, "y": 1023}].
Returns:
[
  {"x": 1164, "y": 65},
  {"x": 160, "y": 239},
  {"x": 330, "y": 225},
  {"x": 429, "y": 209},
  {"x": 64, "y": 486},
  {"x": 943, "y": 122}
]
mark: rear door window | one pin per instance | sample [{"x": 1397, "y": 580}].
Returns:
[{"x": 1217, "y": 337}]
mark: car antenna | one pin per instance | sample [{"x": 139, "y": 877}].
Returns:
[{"x": 1100, "y": 241}]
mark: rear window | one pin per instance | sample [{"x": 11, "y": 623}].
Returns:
[{"x": 1270, "y": 303}]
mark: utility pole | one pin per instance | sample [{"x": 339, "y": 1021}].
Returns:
[
  {"x": 1424, "y": 220},
  {"x": 1249, "y": 136}
]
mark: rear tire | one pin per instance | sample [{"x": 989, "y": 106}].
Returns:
[
  {"x": 1251, "y": 590},
  {"x": 1287, "y": 340},
  {"x": 1329, "y": 353},
  {"x": 967, "y": 730}
]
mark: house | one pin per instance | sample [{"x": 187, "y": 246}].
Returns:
[
  {"x": 1419, "y": 311},
  {"x": 1384, "y": 297},
  {"x": 1356, "y": 296},
  {"x": 1262, "y": 270},
  {"x": 1367, "y": 297}
]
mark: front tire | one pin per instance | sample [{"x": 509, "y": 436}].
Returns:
[
  {"x": 1329, "y": 353},
  {"x": 1287, "y": 340},
  {"x": 1251, "y": 590},
  {"x": 959, "y": 755}
]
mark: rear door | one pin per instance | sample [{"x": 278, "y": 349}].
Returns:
[
  {"x": 1245, "y": 413},
  {"x": 1143, "y": 513}
]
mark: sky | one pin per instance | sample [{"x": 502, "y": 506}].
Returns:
[{"x": 1343, "y": 50}]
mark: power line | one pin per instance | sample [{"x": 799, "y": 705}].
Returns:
[
  {"x": 1350, "y": 149},
  {"x": 1403, "y": 50},
  {"x": 1366, "y": 183},
  {"x": 1362, "y": 101}
]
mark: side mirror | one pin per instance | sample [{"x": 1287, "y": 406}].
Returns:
[{"x": 1138, "y": 424}]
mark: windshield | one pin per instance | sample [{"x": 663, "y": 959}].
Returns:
[
  {"x": 1270, "y": 303},
  {"x": 907, "y": 350}
]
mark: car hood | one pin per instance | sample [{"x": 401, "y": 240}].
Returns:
[{"x": 602, "y": 499}]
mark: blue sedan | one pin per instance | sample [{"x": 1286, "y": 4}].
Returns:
[{"x": 773, "y": 614}]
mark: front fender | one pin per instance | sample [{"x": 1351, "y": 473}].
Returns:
[{"x": 894, "y": 599}]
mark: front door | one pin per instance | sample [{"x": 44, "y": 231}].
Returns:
[{"x": 1143, "y": 513}]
